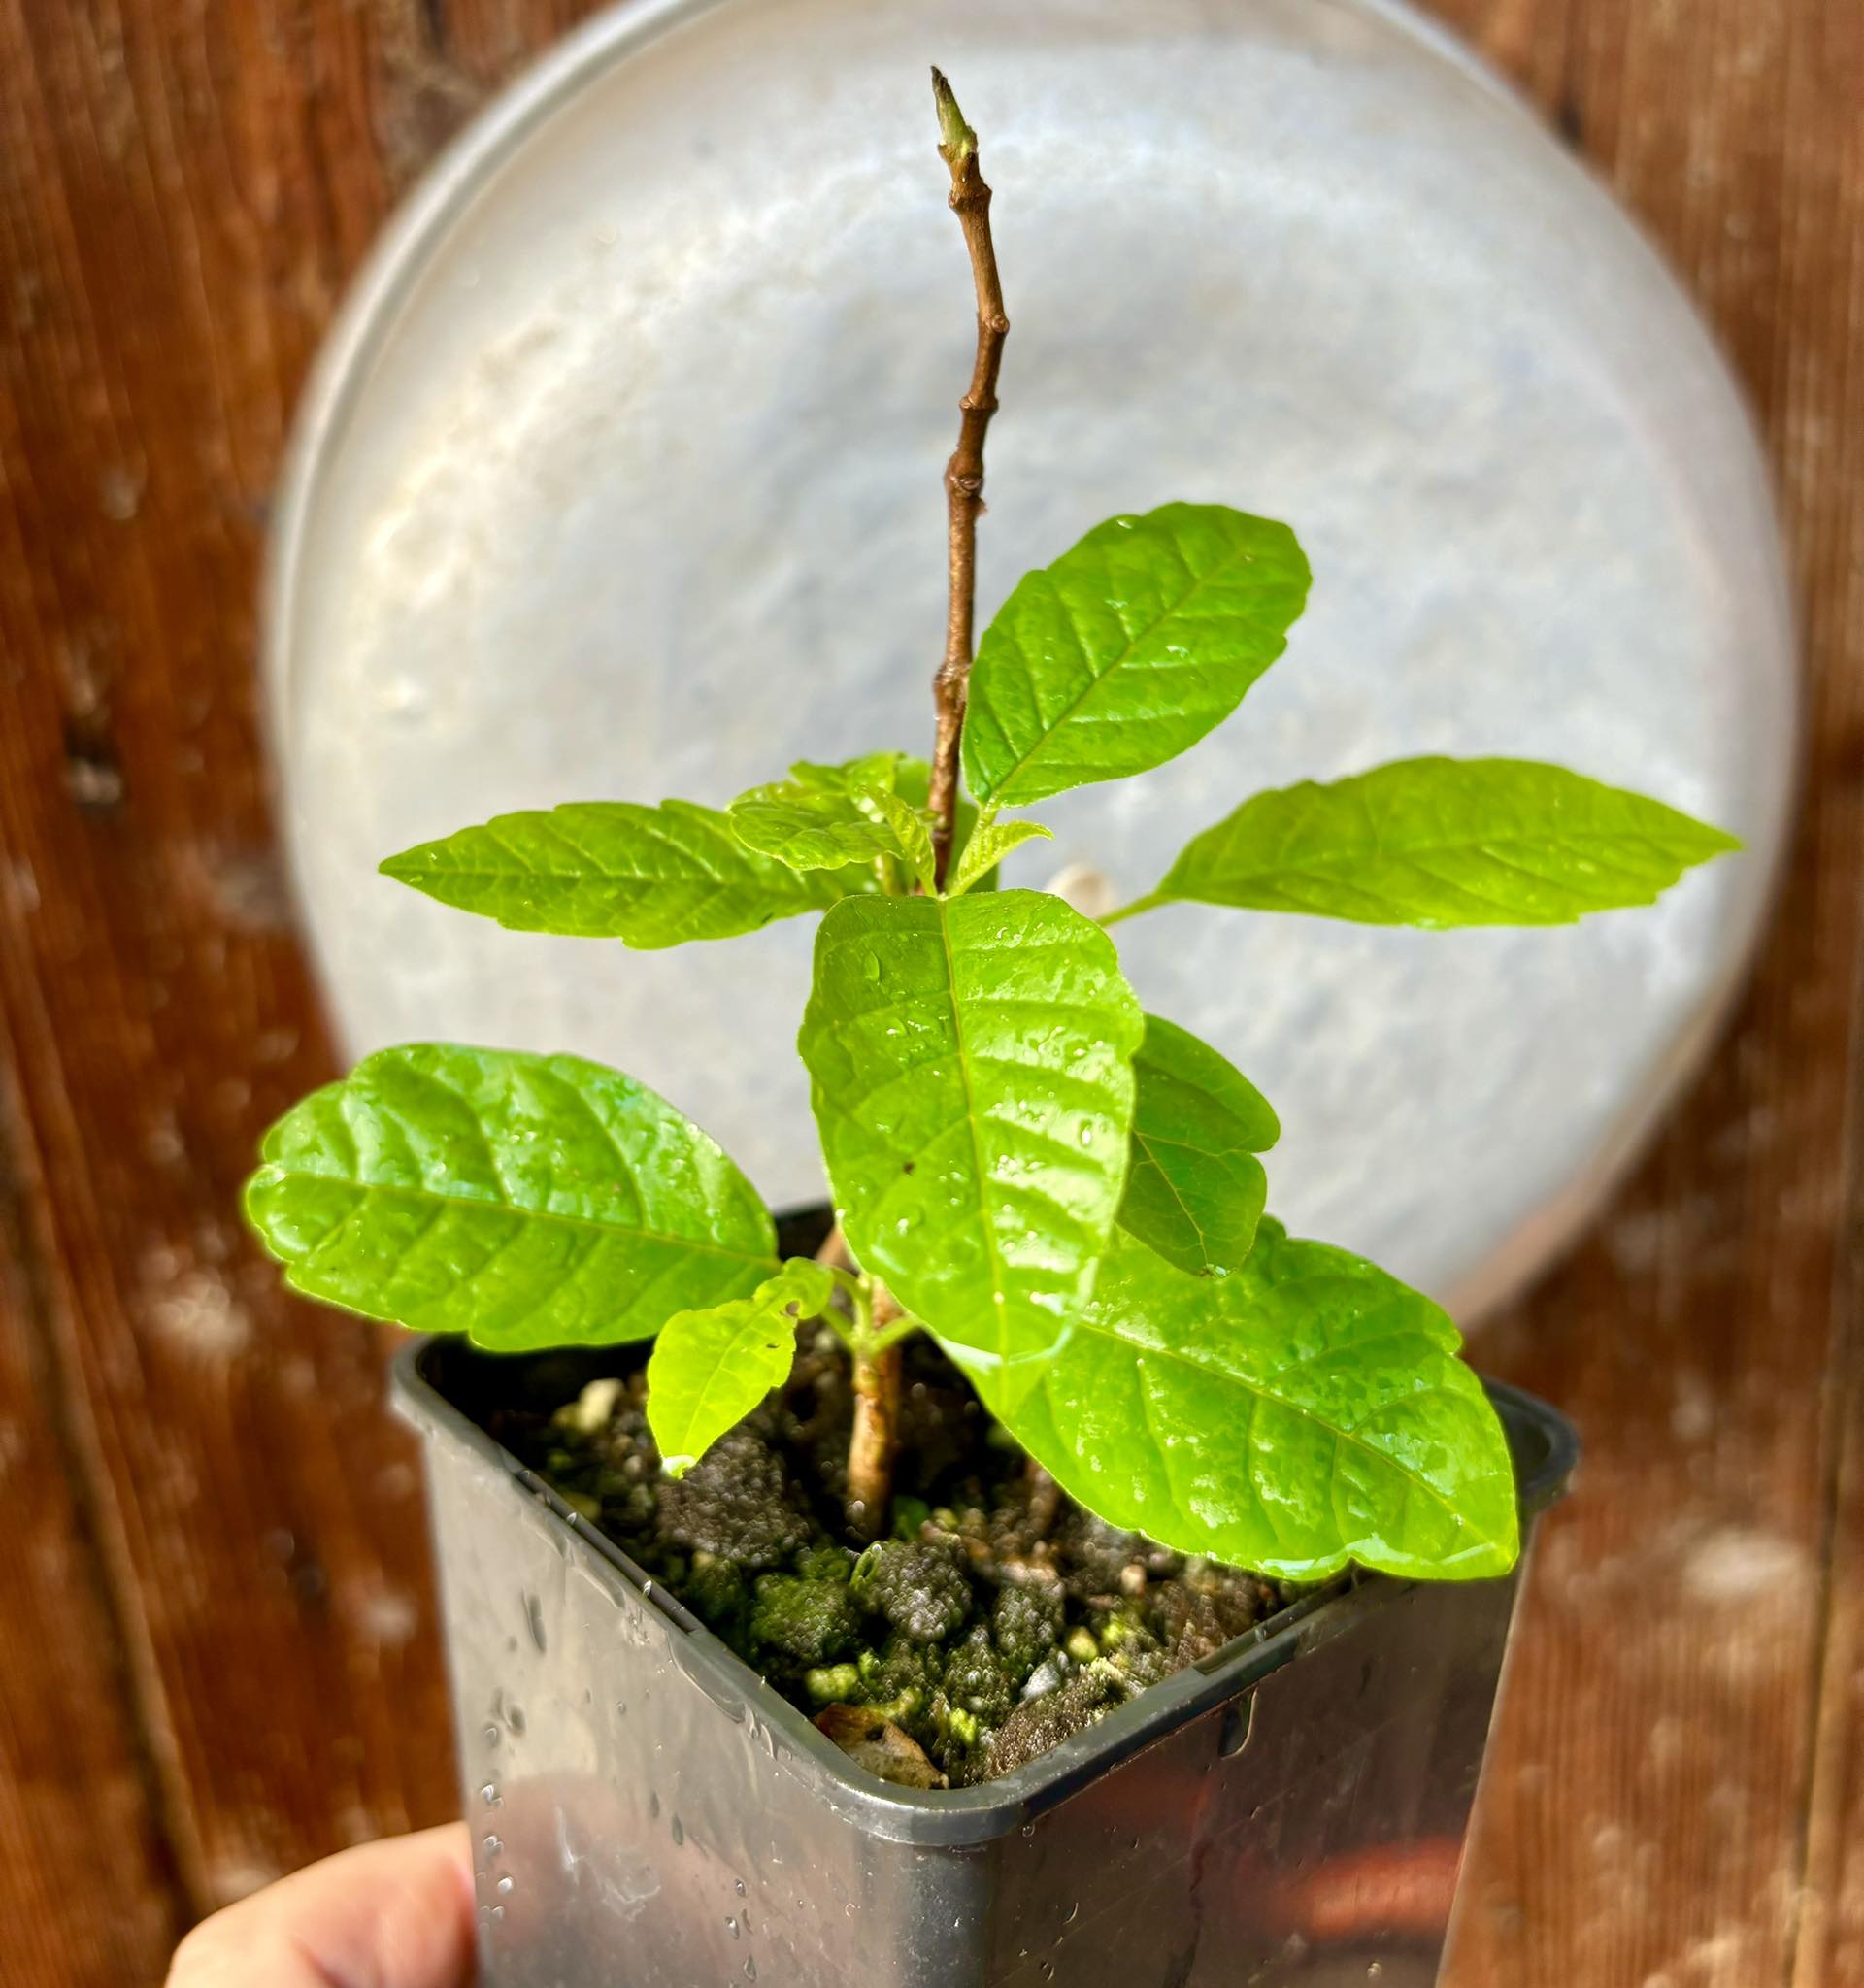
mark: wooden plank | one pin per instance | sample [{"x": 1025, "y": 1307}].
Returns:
[
  {"x": 1644, "y": 1816},
  {"x": 1830, "y": 1947},
  {"x": 183, "y": 190},
  {"x": 88, "y": 1886}
]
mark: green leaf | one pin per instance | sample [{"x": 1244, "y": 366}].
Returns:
[
  {"x": 824, "y": 832},
  {"x": 987, "y": 845},
  {"x": 1196, "y": 1190},
  {"x": 970, "y": 1063},
  {"x": 913, "y": 783},
  {"x": 1304, "y": 1411},
  {"x": 885, "y": 771},
  {"x": 649, "y": 876},
  {"x": 711, "y": 1369},
  {"x": 1443, "y": 842},
  {"x": 823, "y": 818},
  {"x": 526, "y": 1201},
  {"x": 1128, "y": 648},
  {"x": 913, "y": 836},
  {"x": 825, "y": 815}
]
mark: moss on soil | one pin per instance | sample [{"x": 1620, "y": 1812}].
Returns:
[{"x": 996, "y": 1619}]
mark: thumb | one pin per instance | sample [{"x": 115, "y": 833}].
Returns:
[{"x": 392, "y": 1914}]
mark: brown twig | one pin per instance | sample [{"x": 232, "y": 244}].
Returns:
[
  {"x": 875, "y": 1433},
  {"x": 964, "y": 473},
  {"x": 876, "y": 1437},
  {"x": 876, "y": 1366}
]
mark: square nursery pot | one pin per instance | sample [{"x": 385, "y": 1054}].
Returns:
[{"x": 648, "y": 1813}]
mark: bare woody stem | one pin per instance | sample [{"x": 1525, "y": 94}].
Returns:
[
  {"x": 876, "y": 1434},
  {"x": 874, "y": 1440},
  {"x": 964, "y": 473},
  {"x": 876, "y": 1437}
]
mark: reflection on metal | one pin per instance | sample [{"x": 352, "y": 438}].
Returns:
[
  {"x": 580, "y": 508},
  {"x": 645, "y": 1810}
]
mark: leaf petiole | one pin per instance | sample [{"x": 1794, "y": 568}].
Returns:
[
  {"x": 1150, "y": 902},
  {"x": 902, "y": 1328}
]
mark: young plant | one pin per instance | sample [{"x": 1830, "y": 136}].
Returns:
[{"x": 1065, "y": 1192}]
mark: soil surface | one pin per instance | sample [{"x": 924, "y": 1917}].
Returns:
[{"x": 992, "y": 1618}]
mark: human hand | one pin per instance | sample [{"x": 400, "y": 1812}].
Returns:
[{"x": 393, "y": 1914}]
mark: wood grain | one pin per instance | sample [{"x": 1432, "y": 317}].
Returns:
[
  {"x": 1685, "y": 1686},
  {"x": 217, "y": 1536},
  {"x": 184, "y": 188},
  {"x": 79, "y": 1819}
]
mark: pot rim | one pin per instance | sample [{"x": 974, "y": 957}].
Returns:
[{"x": 1546, "y": 1449}]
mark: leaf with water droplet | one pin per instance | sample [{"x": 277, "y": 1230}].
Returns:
[
  {"x": 525, "y": 1201},
  {"x": 914, "y": 837},
  {"x": 1441, "y": 843},
  {"x": 1128, "y": 648},
  {"x": 824, "y": 816},
  {"x": 711, "y": 1369},
  {"x": 953, "y": 1150},
  {"x": 1305, "y": 1411},
  {"x": 648, "y": 876},
  {"x": 1196, "y": 1190},
  {"x": 987, "y": 847}
]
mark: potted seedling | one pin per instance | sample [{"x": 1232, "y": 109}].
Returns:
[{"x": 1044, "y": 1567}]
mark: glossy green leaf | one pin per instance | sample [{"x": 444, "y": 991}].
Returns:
[
  {"x": 989, "y": 843},
  {"x": 915, "y": 838},
  {"x": 1443, "y": 842},
  {"x": 886, "y": 771},
  {"x": 970, "y": 1063},
  {"x": 856, "y": 812},
  {"x": 823, "y": 818},
  {"x": 711, "y": 1369},
  {"x": 1196, "y": 1189},
  {"x": 526, "y": 1201},
  {"x": 913, "y": 783},
  {"x": 1304, "y": 1411},
  {"x": 649, "y": 876},
  {"x": 1128, "y": 648}
]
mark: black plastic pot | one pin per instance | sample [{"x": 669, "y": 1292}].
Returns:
[{"x": 648, "y": 1813}]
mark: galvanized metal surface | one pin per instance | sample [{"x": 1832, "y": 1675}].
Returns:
[
  {"x": 647, "y": 1811},
  {"x": 620, "y": 478}
]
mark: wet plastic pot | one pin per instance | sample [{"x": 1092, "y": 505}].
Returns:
[{"x": 650, "y": 1815}]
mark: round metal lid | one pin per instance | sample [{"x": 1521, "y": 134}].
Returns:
[{"x": 620, "y": 478}]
